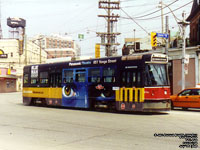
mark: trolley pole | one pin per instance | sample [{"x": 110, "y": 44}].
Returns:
[{"x": 183, "y": 24}]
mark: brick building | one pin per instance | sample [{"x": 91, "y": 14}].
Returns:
[
  {"x": 58, "y": 46},
  {"x": 194, "y": 19}
]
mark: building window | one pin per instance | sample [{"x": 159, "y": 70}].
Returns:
[
  {"x": 70, "y": 45},
  {"x": 11, "y": 54}
]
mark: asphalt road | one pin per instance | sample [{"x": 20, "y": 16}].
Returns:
[{"x": 45, "y": 128}]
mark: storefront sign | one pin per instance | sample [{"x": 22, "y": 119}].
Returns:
[{"x": 2, "y": 54}]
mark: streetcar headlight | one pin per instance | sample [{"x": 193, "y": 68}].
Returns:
[{"x": 165, "y": 92}]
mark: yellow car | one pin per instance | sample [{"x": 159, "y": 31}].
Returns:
[{"x": 188, "y": 98}]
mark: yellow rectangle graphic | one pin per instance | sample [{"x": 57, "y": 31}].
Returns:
[{"x": 42, "y": 92}]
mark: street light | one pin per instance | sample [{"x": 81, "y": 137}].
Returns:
[
  {"x": 40, "y": 45},
  {"x": 183, "y": 24}
]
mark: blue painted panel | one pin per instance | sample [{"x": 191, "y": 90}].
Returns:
[{"x": 75, "y": 94}]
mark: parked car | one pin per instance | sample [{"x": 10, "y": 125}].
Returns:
[{"x": 188, "y": 98}]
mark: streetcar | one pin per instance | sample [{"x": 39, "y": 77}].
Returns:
[{"x": 127, "y": 83}]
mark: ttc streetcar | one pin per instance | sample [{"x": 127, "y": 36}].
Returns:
[{"x": 128, "y": 83}]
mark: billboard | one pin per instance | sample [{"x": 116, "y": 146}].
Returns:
[{"x": 16, "y": 22}]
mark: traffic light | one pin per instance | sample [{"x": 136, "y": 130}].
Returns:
[{"x": 153, "y": 39}]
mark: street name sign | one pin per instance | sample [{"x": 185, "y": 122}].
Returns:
[{"x": 161, "y": 35}]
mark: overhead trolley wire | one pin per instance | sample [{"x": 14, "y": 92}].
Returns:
[
  {"x": 127, "y": 1},
  {"x": 165, "y": 13},
  {"x": 156, "y": 10}
]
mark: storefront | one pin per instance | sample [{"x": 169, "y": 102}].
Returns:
[{"x": 8, "y": 80}]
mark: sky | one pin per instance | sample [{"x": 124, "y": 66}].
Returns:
[{"x": 73, "y": 17}]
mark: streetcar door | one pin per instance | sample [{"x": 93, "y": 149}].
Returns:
[
  {"x": 130, "y": 96},
  {"x": 128, "y": 78},
  {"x": 55, "y": 84},
  {"x": 75, "y": 89}
]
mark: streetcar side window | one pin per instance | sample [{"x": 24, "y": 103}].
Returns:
[
  {"x": 109, "y": 75},
  {"x": 34, "y": 80},
  {"x": 68, "y": 76},
  {"x": 55, "y": 80},
  {"x": 44, "y": 77},
  {"x": 94, "y": 75},
  {"x": 80, "y": 75},
  {"x": 123, "y": 78},
  {"x": 129, "y": 78},
  {"x": 139, "y": 79}
]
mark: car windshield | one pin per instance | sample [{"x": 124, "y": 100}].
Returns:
[
  {"x": 189, "y": 92},
  {"x": 156, "y": 75}
]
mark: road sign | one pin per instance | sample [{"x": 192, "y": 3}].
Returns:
[
  {"x": 81, "y": 36},
  {"x": 161, "y": 35}
]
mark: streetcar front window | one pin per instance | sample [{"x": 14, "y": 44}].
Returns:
[
  {"x": 25, "y": 78},
  {"x": 156, "y": 75}
]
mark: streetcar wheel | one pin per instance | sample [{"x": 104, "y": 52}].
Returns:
[
  {"x": 33, "y": 102},
  {"x": 44, "y": 102},
  {"x": 92, "y": 104},
  {"x": 184, "y": 108},
  {"x": 112, "y": 107}
]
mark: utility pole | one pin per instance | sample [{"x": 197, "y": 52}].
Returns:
[
  {"x": 25, "y": 49},
  {"x": 183, "y": 25},
  {"x": 134, "y": 40},
  {"x": 1, "y": 33},
  {"x": 109, "y": 5},
  {"x": 167, "y": 32},
  {"x": 40, "y": 51},
  {"x": 162, "y": 20}
]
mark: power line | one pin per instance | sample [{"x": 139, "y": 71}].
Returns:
[
  {"x": 141, "y": 5},
  {"x": 135, "y": 22},
  {"x": 166, "y": 13},
  {"x": 87, "y": 28},
  {"x": 156, "y": 10},
  {"x": 127, "y": 1}
]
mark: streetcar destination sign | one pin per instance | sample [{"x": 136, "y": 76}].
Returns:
[{"x": 161, "y": 35}]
